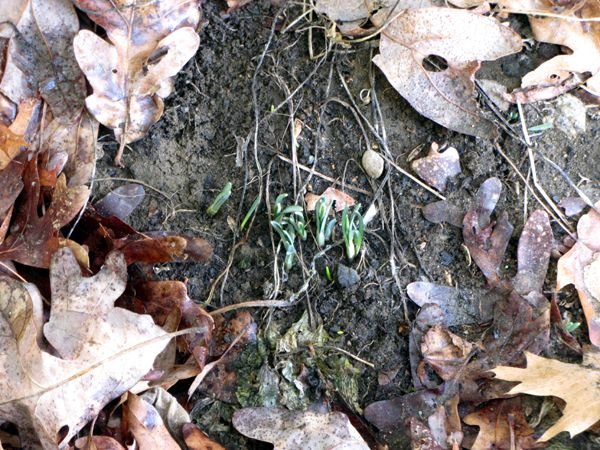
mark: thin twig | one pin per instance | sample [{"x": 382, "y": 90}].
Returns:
[
  {"x": 532, "y": 191},
  {"x": 324, "y": 177}
]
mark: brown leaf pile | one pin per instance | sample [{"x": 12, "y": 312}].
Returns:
[{"x": 102, "y": 351}]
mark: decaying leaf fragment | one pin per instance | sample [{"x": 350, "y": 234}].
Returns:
[
  {"x": 286, "y": 430},
  {"x": 147, "y": 426},
  {"x": 149, "y": 43},
  {"x": 459, "y": 39},
  {"x": 437, "y": 167},
  {"x": 34, "y": 239},
  {"x": 576, "y": 384},
  {"x": 445, "y": 352},
  {"x": 570, "y": 31},
  {"x": 486, "y": 240},
  {"x": 107, "y": 350},
  {"x": 340, "y": 199},
  {"x": 580, "y": 266},
  {"x": 502, "y": 425}
]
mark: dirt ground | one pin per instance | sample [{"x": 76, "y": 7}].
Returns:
[{"x": 208, "y": 127}]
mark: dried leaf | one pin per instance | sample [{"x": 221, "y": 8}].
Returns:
[
  {"x": 11, "y": 145},
  {"x": 502, "y": 425},
  {"x": 576, "y": 384},
  {"x": 341, "y": 199},
  {"x": 98, "y": 443},
  {"x": 581, "y": 37},
  {"x": 43, "y": 394},
  {"x": 149, "y": 44},
  {"x": 572, "y": 205},
  {"x": 533, "y": 257},
  {"x": 389, "y": 415},
  {"x": 445, "y": 352},
  {"x": 443, "y": 428},
  {"x": 40, "y": 58},
  {"x": 291, "y": 430},
  {"x": 444, "y": 211},
  {"x": 437, "y": 167},
  {"x": 71, "y": 146},
  {"x": 520, "y": 324},
  {"x": 147, "y": 426},
  {"x": 195, "y": 439},
  {"x": 580, "y": 266},
  {"x": 421, "y": 437},
  {"x": 34, "y": 239},
  {"x": 232, "y": 5},
  {"x": 462, "y": 39},
  {"x": 121, "y": 202},
  {"x": 460, "y": 306},
  {"x": 485, "y": 240}
]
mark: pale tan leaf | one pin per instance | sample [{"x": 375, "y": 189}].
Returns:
[
  {"x": 43, "y": 394},
  {"x": 576, "y": 384},
  {"x": 580, "y": 37},
  {"x": 195, "y": 439},
  {"x": 294, "y": 430},
  {"x": 40, "y": 58},
  {"x": 580, "y": 266},
  {"x": 147, "y": 426},
  {"x": 340, "y": 199},
  {"x": 502, "y": 425},
  {"x": 462, "y": 39},
  {"x": 437, "y": 167},
  {"x": 149, "y": 44}
]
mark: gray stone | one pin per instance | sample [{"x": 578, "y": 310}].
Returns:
[
  {"x": 346, "y": 276},
  {"x": 372, "y": 162}
]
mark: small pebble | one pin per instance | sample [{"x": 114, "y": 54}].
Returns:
[
  {"x": 346, "y": 276},
  {"x": 372, "y": 162}
]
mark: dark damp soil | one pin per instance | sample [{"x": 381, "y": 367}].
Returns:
[{"x": 205, "y": 139}]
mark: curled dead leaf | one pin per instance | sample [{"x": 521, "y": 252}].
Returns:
[{"x": 341, "y": 199}]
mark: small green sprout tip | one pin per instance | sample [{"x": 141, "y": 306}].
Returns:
[
  {"x": 353, "y": 229},
  {"x": 250, "y": 212},
  {"x": 219, "y": 200},
  {"x": 328, "y": 273}
]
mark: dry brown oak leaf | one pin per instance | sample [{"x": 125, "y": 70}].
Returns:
[
  {"x": 149, "y": 44},
  {"x": 293, "y": 430},
  {"x": 443, "y": 92},
  {"x": 581, "y": 266},
  {"x": 564, "y": 24},
  {"x": 577, "y": 385},
  {"x": 98, "y": 351}
]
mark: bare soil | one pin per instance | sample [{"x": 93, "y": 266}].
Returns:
[{"x": 191, "y": 153}]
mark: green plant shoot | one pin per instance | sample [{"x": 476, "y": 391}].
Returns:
[
  {"x": 250, "y": 212},
  {"x": 324, "y": 225},
  {"x": 220, "y": 200},
  {"x": 353, "y": 228},
  {"x": 289, "y": 223}
]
